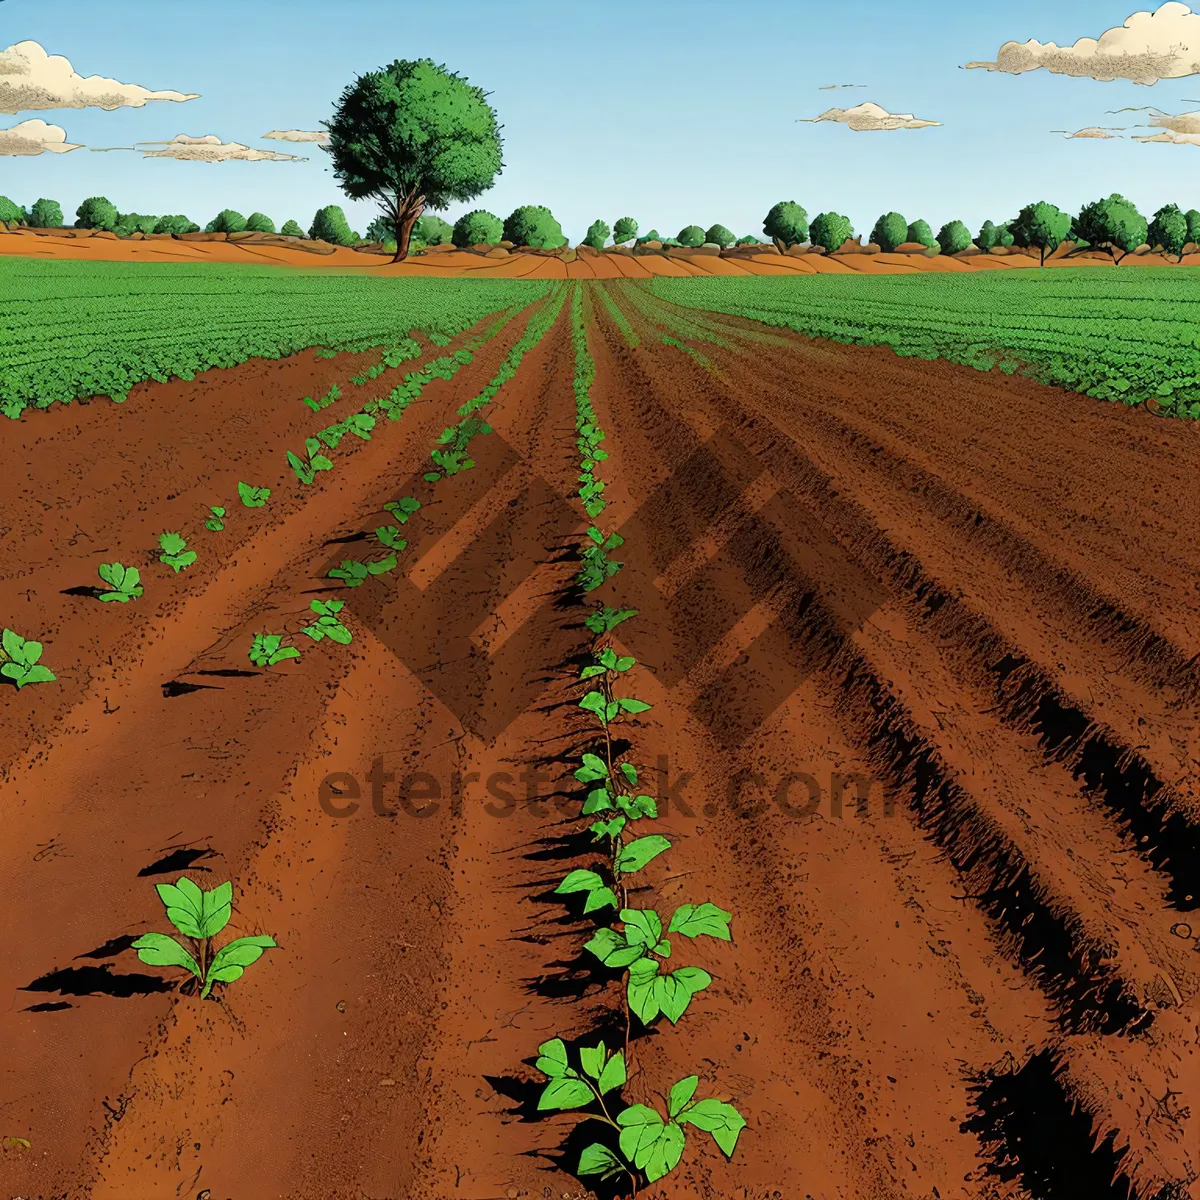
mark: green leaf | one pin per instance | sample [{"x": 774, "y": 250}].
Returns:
[
  {"x": 630, "y": 772},
  {"x": 629, "y": 705},
  {"x": 664, "y": 1156},
  {"x": 643, "y": 927},
  {"x": 565, "y": 1093},
  {"x": 599, "y": 1160},
  {"x": 722, "y": 1120},
  {"x": 384, "y": 565},
  {"x": 593, "y": 768},
  {"x": 639, "y": 852},
  {"x": 694, "y": 920},
  {"x": 579, "y": 881},
  {"x": 613, "y": 1075},
  {"x": 612, "y": 950},
  {"x": 172, "y": 543},
  {"x": 231, "y": 960},
  {"x": 591, "y": 1058},
  {"x": 591, "y": 672},
  {"x": 159, "y": 950},
  {"x": 641, "y": 990},
  {"x": 253, "y": 497},
  {"x": 641, "y": 1128},
  {"x": 681, "y": 1093},
  {"x": 674, "y": 991},
  {"x": 552, "y": 1058},
  {"x": 216, "y": 906},
  {"x": 598, "y": 800},
  {"x": 594, "y": 702},
  {"x": 14, "y": 646},
  {"x": 184, "y": 902},
  {"x": 601, "y": 897}
]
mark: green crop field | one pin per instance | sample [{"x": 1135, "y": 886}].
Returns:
[
  {"x": 1117, "y": 335},
  {"x": 73, "y": 329}
]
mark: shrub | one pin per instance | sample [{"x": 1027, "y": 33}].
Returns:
[
  {"x": 720, "y": 236},
  {"x": 46, "y": 214},
  {"x": 291, "y": 229},
  {"x": 14, "y": 212},
  {"x": 1193, "y": 225},
  {"x": 259, "y": 223},
  {"x": 890, "y": 231},
  {"x": 953, "y": 237},
  {"x": 597, "y": 235},
  {"x": 991, "y": 235},
  {"x": 625, "y": 230},
  {"x": 919, "y": 231},
  {"x": 431, "y": 230},
  {"x": 96, "y": 212},
  {"x": 786, "y": 224},
  {"x": 129, "y": 223},
  {"x": 533, "y": 225},
  {"x": 477, "y": 228},
  {"x": 690, "y": 236},
  {"x": 1169, "y": 229},
  {"x": 652, "y": 236},
  {"x": 748, "y": 240},
  {"x": 228, "y": 220},
  {"x": 830, "y": 230},
  {"x": 1111, "y": 224},
  {"x": 175, "y": 224},
  {"x": 1041, "y": 226},
  {"x": 330, "y": 225}
]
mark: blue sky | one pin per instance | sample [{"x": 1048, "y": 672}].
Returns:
[{"x": 669, "y": 111}]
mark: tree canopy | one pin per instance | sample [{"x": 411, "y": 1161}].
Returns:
[
  {"x": 1040, "y": 226},
  {"x": 830, "y": 230},
  {"x": 292, "y": 229},
  {"x": 260, "y": 223},
  {"x": 533, "y": 225},
  {"x": 786, "y": 224},
  {"x": 330, "y": 225},
  {"x": 413, "y": 135},
  {"x": 597, "y": 235},
  {"x": 625, "y": 230},
  {"x": 953, "y": 237},
  {"x": 175, "y": 223},
  {"x": 1111, "y": 224},
  {"x": 1169, "y": 229},
  {"x": 96, "y": 212},
  {"x": 228, "y": 220},
  {"x": 477, "y": 228},
  {"x": 430, "y": 229},
  {"x": 919, "y": 231},
  {"x": 891, "y": 230},
  {"x": 46, "y": 214},
  {"x": 690, "y": 236}
]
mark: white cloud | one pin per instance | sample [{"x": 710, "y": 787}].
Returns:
[
  {"x": 1173, "y": 137},
  {"x": 1092, "y": 131},
  {"x": 34, "y": 137},
  {"x": 211, "y": 149},
  {"x": 1164, "y": 44},
  {"x": 32, "y": 80},
  {"x": 867, "y": 116},
  {"x": 298, "y": 135}
]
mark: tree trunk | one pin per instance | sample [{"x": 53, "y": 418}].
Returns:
[
  {"x": 1043, "y": 249},
  {"x": 405, "y": 217}
]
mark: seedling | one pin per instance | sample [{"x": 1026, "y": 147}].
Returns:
[
  {"x": 389, "y": 536},
  {"x": 305, "y": 471},
  {"x": 200, "y": 916},
  {"x": 216, "y": 522},
  {"x": 354, "y": 573},
  {"x": 268, "y": 649},
  {"x": 327, "y": 623},
  {"x": 253, "y": 497},
  {"x": 403, "y": 508},
  {"x": 124, "y": 582},
  {"x": 20, "y": 660},
  {"x": 174, "y": 552}
]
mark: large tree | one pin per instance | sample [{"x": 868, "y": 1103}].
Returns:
[
  {"x": 96, "y": 212},
  {"x": 1111, "y": 224},
  {"x": 786, "y": 224},
  {"x": 891, "y": 230},
  {"x": 1169, "y": 229},
  {"x": 410, "y": 135},
  {"x": 1042, "y": 227},
  {"x": 46, "y": 214},
  {"x": 953, "y": 237},
  {"x": 830, "y": 230},
  {"x": 624, "y": 230}
]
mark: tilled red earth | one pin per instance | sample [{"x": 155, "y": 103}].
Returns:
[{"x": 921, "y": 646}]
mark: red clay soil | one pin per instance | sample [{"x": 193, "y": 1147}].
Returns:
[{"x": 966, "y": 597}]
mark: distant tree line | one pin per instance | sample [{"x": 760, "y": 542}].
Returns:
[{"x": 1112, "y": 225}]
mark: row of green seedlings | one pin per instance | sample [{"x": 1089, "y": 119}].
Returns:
[
  {"x": 684, "y": 326},
  {"x": 642, "y": 1142}
]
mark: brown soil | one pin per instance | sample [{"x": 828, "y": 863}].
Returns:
[
  {"x": 972, "y": 593},
  {"x": 528, "y": 264}
]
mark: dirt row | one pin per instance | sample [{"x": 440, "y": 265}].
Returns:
[{"x": 919, "y": 652}]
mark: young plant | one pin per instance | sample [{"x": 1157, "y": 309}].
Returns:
[
  {"x": 268, "y": 649},
  {"x": 354, "y": 573},
  {"x": 389, "y": 536},
  {"x": 124, "y": 582},
  {"x": 253, "y": 497},
  {"x": 20, "y": 660},
  {"x": 327, "y": 624},
  {"x": 403, "y": 508},
  {"x": 456, "y": 439},
  {"x": 200, "y": 916},
  {"x": 306, "y": 470},
  {"x": 174, "y": 552},
  {"x": 217, "y": 521},
  {"x": 597, "y": 566}
]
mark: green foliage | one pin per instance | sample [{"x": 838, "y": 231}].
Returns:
[
  {"x": 748, "y": 240},
  {"x": 953, "y": 237},
  {"x": 291, "y": 229},
  {"x": 652, "y": 236},
  {"x": 124, "y": 583},
  {"x": 1169, "y": 230},
  {"x": 353, "y": 573},
  {"x": 176, "y": 224},
  {"x": 720, "y": 236},
  {"x": 216, "y": 522},
  {"x": 253, "y": 497},
  {"x": 477, "y": 228},
  {"x": 1040, "y": 226},
  {"x": 228, "y": 220},
  {"x": 625, "y": 230},
  {"x": 19, "y": 660},
  {"x": 690, "y": 236},
  {"x": 328, "y": 623},
  {"x": 830, "y": 230},
  {"x": 597, "y": 234},
  {"x": 1193, "y": 225},
  {"x": 306, "y": 468},
  {"x": 175, "y": 553},
  {"x": 433, "y": 230},
  {"x": 96, "y": 212},
  {"x": 330, "y": 225},
  {"x": 268, "y": 649},
  {"x": 786, "y": 224},
  {"x": 14, "y": 212},
  {"x": 533, "y": 225},
  {"x": 129, "y": 223},
  {"x": 919, "y": 231},
  {"x": 891, "y": 230},
  {"x": 413, "y": 134},
  {"x": 46, "y": 214},
  {"x": 258, "y": 222},
  {"x": 1111, "y": 224},
  {"x": 200, "y": 916}
]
